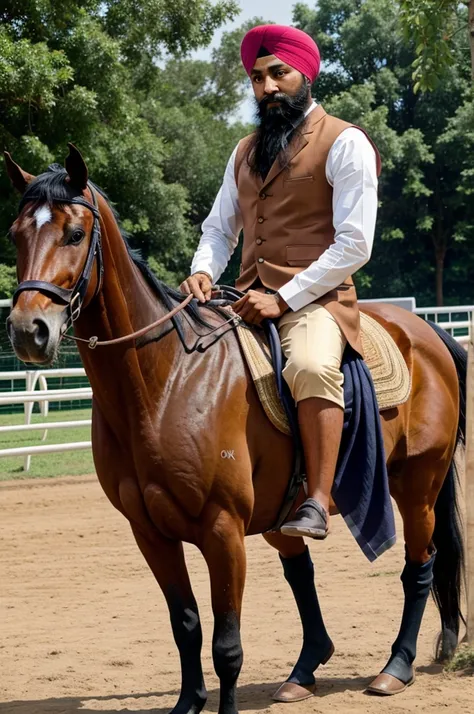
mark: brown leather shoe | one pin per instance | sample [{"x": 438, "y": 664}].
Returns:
[
  {"x": 387, "y": 685},
  {"x": 291, "y": 692}
]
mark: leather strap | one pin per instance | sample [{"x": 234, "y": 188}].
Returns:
[{"x": 73, "y": 298}]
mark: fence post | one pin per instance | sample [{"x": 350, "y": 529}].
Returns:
[{"x": 469, "y": 487}]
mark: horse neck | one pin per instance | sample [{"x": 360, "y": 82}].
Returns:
[{"x": 125, "y": 304}]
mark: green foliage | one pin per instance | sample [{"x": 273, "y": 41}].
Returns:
[
  {"x": 426, "y": 221},
  {"x": 462, "y": 660},
  {"x": 7, "y": 280},
  {"x": 155, "y": 136},
  {"x": 157, "y": 128},
  {"x": 431, "y": 27}
]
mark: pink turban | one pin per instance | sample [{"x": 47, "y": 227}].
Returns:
[{"x": 291, "y": 46}]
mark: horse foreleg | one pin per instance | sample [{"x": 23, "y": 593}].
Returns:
[
  {"x": 317, "y": 646},
  {"x": 166, "y": 560},
  {"x": 224, "y": 551}
]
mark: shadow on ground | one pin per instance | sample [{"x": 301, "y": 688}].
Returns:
[{"x": 250, "y": 697}]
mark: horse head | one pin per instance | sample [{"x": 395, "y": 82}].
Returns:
[{"x": 57, "y": 239}]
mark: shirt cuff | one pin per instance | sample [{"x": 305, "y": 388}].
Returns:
[
  {"x": 296, "y": 298},
  {"x": 202, "y": 268}
]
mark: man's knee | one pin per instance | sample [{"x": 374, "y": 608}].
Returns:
[{"x": 309, "y": 377}]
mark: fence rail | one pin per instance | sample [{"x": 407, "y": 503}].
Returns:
[{"x": 43, "y": 397}]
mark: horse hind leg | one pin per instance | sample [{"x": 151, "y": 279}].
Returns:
[
  {"x": 166, "y": 561},
  {"x": 317, "y": 646},
  {"x": 420, "y": 497}
]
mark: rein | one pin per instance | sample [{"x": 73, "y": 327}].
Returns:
[{"x": 73, "y": 298}]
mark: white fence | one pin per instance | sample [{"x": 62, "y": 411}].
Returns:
[
  {"x": 456, "y": 319},
  {"x": 43, "y": 396}
]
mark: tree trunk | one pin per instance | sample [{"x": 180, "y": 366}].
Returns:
[
  {"x": 439, "y": 278},
  {"x": 471, "y": 34}
]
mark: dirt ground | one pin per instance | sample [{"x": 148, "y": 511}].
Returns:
[{"x": 84, "y": 627}]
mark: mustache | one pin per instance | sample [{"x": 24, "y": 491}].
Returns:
[{"x": 286, "y": 102}]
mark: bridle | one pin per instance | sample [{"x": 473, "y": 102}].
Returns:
[{"x": 73, "y": 298}]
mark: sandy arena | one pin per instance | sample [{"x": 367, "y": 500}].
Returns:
[{"x": 85, "y": 628}]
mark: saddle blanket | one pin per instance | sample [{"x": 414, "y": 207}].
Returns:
[
  {"x": 360, "y": 491},
  {"x": 390, "y": 375}
]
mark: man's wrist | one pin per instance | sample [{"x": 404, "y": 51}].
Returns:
[
  {"x": 202, "y": 272},
  {"x": 282, "y": 304}
]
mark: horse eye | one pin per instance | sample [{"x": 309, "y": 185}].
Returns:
[{"x": 76, "y": 237}]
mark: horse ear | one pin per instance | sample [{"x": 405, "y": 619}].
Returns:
[
  {"x": 76, "y": 168},
  {"x": 19, "y": 178}
]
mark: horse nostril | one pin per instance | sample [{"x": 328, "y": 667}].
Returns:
[{"x": 41, "y": 335}]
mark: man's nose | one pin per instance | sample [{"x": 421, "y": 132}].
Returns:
[{"x": 270, "y": 86}]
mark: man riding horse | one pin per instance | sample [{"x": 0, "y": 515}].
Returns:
[
  {"x": 164, "y": 412},
  {"x": 303, "y": 187}
]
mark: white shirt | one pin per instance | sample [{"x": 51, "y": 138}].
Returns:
[{"x": 351, "y": 171}]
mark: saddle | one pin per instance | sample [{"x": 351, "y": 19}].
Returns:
[
  {"x": 263, "y": 354},
  {"x": 386, "y": 384},
  {"x": 388, "y": 369}
]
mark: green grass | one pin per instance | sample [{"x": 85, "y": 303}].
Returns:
[
  {"x": 462, "y": 660},
  {"x": 46, "y": 465}
]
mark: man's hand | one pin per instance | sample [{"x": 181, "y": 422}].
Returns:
[
  {"x": 199, "y": 285},
  {"x": 255, "y": 307}
]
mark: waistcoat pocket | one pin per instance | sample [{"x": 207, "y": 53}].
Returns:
[{"x": 303, "y": 255}]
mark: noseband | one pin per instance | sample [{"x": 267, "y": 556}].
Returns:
[{"x": 72, "y": 298}]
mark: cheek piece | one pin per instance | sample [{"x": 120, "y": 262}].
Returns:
[{"x": 72, "y": 298}]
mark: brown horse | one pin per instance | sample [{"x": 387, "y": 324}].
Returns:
[{"x": 183, "y": 448}]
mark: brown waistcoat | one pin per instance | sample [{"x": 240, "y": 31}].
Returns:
[{"x": 288, "y": 218}]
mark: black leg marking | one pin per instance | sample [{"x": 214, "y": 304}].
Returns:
[
  {"x": 188, "y": 637},
  {"x": 317, "y": 645},
  {"x": 228, "y": 657},
  {"x": 416, "y": 579}
]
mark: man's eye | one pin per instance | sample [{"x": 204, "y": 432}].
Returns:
[
  {"x": 257, "y": 79},
  {"x": 76, "y": 237}
]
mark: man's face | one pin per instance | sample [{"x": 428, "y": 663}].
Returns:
[{"x": 271, "y": 76}]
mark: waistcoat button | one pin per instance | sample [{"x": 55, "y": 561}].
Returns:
[
  {"x": 260, "y": 260},
  {"x": 263, "y": 196},
  {"x": 260, "y": 220},
  {"x": 259, "y": 241}
]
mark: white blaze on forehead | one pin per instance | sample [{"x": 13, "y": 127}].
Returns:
[{"x": 43, "y": 215}]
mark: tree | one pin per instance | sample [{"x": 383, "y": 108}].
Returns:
[
  {"x": 87, "y": 72},
  {"x": 426, "y": 216},
  {"x": 432, "y": 25}
]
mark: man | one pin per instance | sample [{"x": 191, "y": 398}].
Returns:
[{"x": 304, "y": 189}]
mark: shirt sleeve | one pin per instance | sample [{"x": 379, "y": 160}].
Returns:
[
  {"x": 221, "y": 229},
  {"x": 352, "y": 172}
]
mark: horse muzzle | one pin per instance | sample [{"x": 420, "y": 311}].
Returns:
[{"x": 35, "y": 334}]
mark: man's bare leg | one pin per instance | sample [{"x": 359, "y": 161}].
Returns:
[{"x": 321, "y": 422}]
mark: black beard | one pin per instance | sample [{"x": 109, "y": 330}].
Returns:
[{"x": 275, "y": 128}]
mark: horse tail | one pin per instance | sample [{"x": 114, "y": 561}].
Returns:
[{"x": 448, "y": 571}]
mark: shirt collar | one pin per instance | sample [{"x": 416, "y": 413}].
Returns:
[{"x": 311, "y": 108}]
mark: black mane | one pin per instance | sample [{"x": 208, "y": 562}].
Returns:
[{"x": 52, "y": 187}]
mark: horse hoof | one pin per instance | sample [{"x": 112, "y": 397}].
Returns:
[
  {"x": 292, "y": 692},
  {"x": 387, "y": 685}
]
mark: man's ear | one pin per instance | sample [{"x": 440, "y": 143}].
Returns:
[
  {"x": 76, "y": 168},
  {"x": 19, "y": 178}
]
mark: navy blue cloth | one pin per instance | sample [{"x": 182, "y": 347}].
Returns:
[{"x": 360, "y": 490}]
